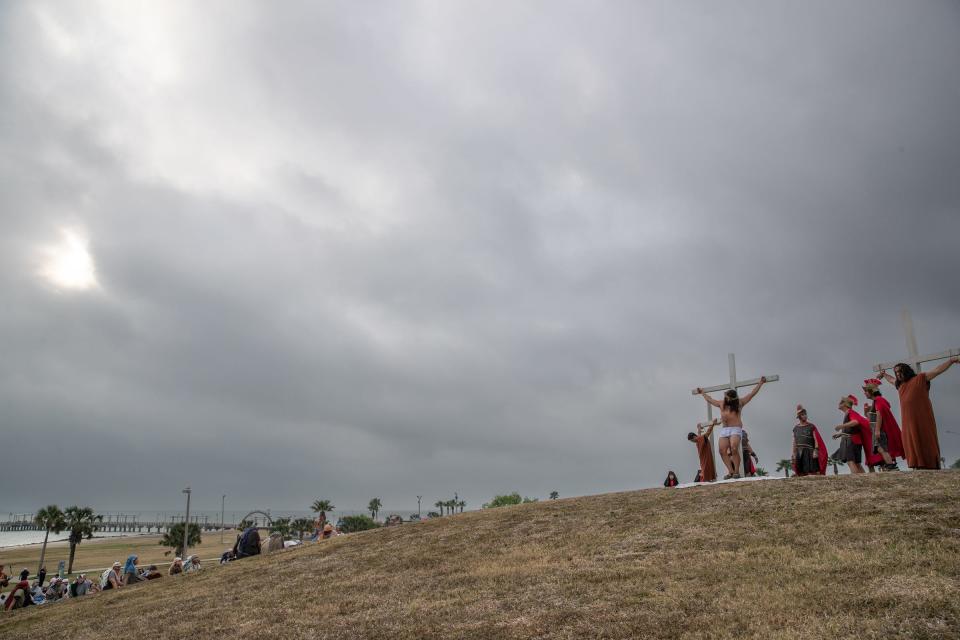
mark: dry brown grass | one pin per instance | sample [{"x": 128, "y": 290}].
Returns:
[{"x": 872, "y": 557}]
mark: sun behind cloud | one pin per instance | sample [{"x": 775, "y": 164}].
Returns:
[{"x": 69, "y": 263}]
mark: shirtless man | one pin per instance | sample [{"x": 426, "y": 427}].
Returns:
[{"x": 730, "y": 410}]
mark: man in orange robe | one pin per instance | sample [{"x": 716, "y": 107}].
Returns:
[
  {"x": 702, "y": 439},
  {"x": 920, "y": 441}
]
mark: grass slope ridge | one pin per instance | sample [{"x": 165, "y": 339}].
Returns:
[{"x": 874, "y": 556}]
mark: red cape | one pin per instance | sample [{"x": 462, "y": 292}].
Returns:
[
  {"x": 890, "y": 427},
  {"x": 822, "y": 454},
  {"x": 866, "y": 437}
]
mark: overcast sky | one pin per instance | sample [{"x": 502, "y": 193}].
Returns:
[{"x": 286, "y": 250}]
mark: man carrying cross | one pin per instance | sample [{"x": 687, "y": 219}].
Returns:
[
  {"x": 732, "y": 430},
  {"x": 920, "y": 442}
]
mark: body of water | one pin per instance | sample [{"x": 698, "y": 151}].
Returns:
[{"x": 20, "y": 538}]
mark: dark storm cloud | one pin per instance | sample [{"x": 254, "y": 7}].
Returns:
[{"x": 435, "y": 247}]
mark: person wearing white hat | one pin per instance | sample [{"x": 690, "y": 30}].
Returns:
[{"x": 110, "y": 579}]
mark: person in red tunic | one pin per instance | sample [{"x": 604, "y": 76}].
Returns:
[
  {"x": 920, "y": 443},
  {"x": 887, "y": 440},
  {"x": 702, "y": 439}
]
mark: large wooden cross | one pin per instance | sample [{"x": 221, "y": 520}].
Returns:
[
  {"x": 732, "y": 384},
  {"x": 915, "y": 359}
]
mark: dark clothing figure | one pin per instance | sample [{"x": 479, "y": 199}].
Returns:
[
  {"x": 805, "y": 444},
  {"x": 42, "y": 575},
  {"x": 248, "y": 543},
  {"x": 850, "y": 443},
  {"x": 671, "y": 480},
  {"x": 749, "y": 469}
]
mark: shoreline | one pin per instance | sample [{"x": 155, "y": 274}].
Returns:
[{"x": 57, "y": 544}]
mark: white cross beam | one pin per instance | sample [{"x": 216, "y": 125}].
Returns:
[
  {"x": 915, "y": 359},
  {"x": 732, "y": 384}
]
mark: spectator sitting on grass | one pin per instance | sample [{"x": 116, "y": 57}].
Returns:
[
  {"x": 110, "y": 579},
  {"x": 191, "y": 564},
  {"x": 54, "y": 590},
  {"x": 130, "y": 572},
  {"x": 79, "y": 586},
  {"x": 228, "y": 556},
  {"x": 20, "y": 596},
  {"x": 177, "y": 567},
  {"x": 152, "y": 573},
  {"x": 328, "y": 532}
]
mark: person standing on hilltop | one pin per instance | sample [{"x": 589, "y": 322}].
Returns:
[
  {"x": 702, "y": 439},
  {"x": 887, "y": 440},
  {"x": 730, "y": 435},
  {"x": 920, "y": 443},
  {"x": 852, "y": 432},
  {"x": 749, "y": 456},
  {"x": 809, "y": 451}
]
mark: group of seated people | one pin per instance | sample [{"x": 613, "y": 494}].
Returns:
[
  {"x": 249, "y": 543},
  {"x": 26, "y": 593}
]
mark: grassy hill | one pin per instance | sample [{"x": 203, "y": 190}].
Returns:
[{"x": 871, "y": 556}]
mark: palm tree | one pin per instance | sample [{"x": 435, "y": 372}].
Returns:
[
  {"x": 439, "y": 504},
  {"x": 449, "y": 505},
  {"x": 174, "y": 538},
  {"x": 462, "y": 504},
  {"x": 554, "y": 495},
  {"x": 374, "y": 507},
  {"x": 321, "y": 507},
  {"x": 281, "y": 526},
  {"x": 784, "y": 465},
  {"x": 51, "y": 519},
  {"x": 761, "y": 471},
  {"x": 81, "y": 522},
  {"x": 300, "y": 526}
]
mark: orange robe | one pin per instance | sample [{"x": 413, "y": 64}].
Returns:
[
  {"x": 707, "y": 472},
  {"x": 920, "y": 442}
]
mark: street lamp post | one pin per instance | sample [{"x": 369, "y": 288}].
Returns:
[
  {"x": 223, "y": 502},
  {"x": 186, "y": 523}
]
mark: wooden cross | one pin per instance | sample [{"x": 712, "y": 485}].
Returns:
[
  {"x": 732, "y": 384},
  {"x": 915, "y": 359}
]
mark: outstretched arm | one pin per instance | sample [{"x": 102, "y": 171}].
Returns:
[
  {"x": 889, "y": 378},
  {"x": 709, "y": 400},
  {"x": 747, "y": 398},
  {"x": 943, "y": 367},
  {"x": 710, "y": 429}
]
